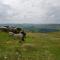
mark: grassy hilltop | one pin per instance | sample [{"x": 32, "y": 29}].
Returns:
[{"x": 38, "y": 46}]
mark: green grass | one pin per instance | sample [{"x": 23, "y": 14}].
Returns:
[{"x": 40, "y": 46}]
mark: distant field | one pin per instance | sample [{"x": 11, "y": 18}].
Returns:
[{"x": 38, "y": 46}]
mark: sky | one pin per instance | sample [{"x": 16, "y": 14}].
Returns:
[{"x": 30, "y": 11}]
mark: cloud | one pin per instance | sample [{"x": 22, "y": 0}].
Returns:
[{"x": 29, "y": 11}]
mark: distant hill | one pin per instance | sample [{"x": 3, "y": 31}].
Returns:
[{"x": 36, "y": 27}]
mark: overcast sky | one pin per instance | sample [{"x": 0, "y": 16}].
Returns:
[{"x": 30, "y": 11}]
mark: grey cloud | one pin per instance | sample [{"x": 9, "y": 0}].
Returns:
[
  {"x": 30, "y": 11},
  {"x": 6, "y": 13}
]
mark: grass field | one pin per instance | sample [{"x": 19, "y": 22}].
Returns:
[{"x": 38, "y": 46}]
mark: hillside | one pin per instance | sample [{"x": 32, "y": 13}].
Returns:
[{"x": 38, "y": 46}]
